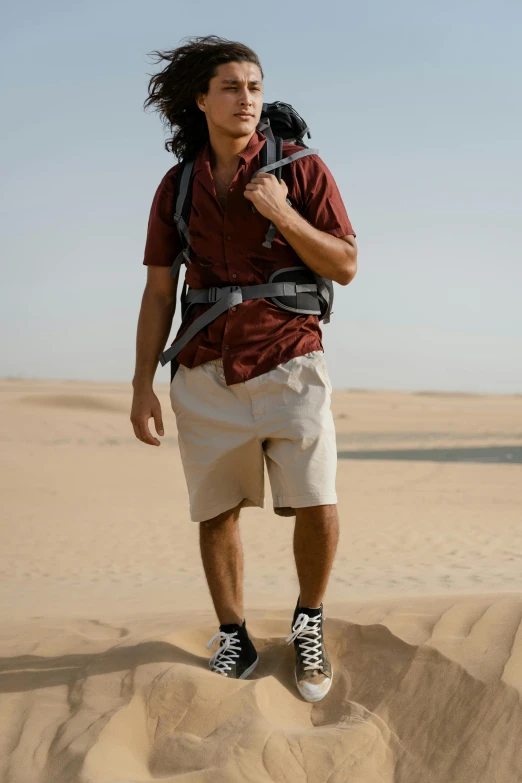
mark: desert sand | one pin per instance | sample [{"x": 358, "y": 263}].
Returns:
[{"x": 105, "y": 613}]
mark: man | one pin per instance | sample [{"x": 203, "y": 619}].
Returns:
[{"x": 253, "y": 385}]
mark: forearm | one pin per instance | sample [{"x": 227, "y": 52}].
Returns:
[
  {"x": 329, "y": 256},
  {"x": 154, "y": 325}
]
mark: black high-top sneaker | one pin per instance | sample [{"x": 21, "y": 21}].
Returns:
[
  {"x": 237, "y": 657},
  {"x": 313, "y": 670}
]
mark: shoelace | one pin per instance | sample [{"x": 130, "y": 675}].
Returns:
[
  {"x": 224, "y": 658},
  {"x": 308, "y": 631}
]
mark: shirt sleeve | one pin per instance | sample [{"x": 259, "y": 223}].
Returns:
[
  {"x": 322, "y": 204},
  {"x": 163, "y": 243}
]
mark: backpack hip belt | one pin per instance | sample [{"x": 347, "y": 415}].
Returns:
[{"x": 224, "y": 297}]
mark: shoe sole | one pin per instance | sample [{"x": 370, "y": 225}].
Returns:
[
  {"x": 307, "y": 698},
  {"x": 249, "y": 670}
]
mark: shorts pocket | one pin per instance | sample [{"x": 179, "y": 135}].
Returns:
[
  {"x": 322, "y": 369},
  {"x": 173, "y": 384},
  {"x": 220, "y": 370}
]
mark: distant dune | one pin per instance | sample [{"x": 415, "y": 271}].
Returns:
[{"x": 85, "y": 402}]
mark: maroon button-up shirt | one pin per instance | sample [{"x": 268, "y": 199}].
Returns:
[{"x": 227, "y": 250}]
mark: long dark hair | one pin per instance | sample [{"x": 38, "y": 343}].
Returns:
[{"x": 172, "y": 91}]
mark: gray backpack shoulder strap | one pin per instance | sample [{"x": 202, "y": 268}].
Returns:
[
  {"x": 289, "y": 159},
  {"x": 183, "y": 229},
  {"x": 274, "y": 163}
]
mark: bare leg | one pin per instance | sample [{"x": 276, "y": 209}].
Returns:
[
  {"x": 316, "y": 534},
  {"x": 222, "y": 556}
]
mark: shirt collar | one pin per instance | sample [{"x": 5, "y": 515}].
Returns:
[{"x": 252, "y": 149}]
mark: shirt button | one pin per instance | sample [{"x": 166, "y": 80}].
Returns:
[
  {"x": 234, "y": 309},
  {"x": 229, "y": 237},
  {"x": 226, "y": 347},
  {"x": 234, "y": 275}
]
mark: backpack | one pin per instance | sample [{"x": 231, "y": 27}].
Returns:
[{"x": 297, "y": 289}]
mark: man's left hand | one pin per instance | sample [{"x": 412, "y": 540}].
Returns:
[{"x": 268, "y": 195}]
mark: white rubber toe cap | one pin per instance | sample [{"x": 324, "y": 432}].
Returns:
[{"x": 312, "y": 692}]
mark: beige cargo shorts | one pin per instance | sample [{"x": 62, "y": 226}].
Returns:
[{"x": 226, "y": 434}]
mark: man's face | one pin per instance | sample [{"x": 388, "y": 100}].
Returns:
[{"x": 236, "y": 88}]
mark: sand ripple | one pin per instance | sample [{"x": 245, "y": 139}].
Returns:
[{"x": 431, "y": 691}]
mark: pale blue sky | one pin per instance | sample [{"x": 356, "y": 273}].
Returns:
[{"x": 415, "y": 108}]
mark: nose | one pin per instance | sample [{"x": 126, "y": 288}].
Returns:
[{"x": 244, "y": 96}]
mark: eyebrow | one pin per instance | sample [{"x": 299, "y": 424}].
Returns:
[{"x": 236, "y": 81}]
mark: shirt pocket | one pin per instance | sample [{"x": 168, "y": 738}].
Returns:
[{"x": 260, "y": 265}]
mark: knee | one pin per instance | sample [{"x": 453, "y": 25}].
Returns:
[
  {"x": 324, "y": 515},
  {"x": 230, "y": 516}
]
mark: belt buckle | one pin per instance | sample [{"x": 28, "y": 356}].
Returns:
[
  {"x": 214, "y": 293},
  {"x": 235, "y": 288}
]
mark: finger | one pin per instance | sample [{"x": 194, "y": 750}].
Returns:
[
  {"x": 150, "y": 438},
  {"x": 145, "y": 435},
  {"x": 157, "y": 421},
  {"x": 137, "y": 431}
]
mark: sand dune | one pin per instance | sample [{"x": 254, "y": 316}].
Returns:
[
  {"x": 105, "y": 613},
  {"x": 425, "y": 689}
]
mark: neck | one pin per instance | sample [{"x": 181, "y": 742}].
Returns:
[{"x": 225, "y": 150}]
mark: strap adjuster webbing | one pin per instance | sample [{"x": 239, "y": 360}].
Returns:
[{"x": 222, "y": 299}]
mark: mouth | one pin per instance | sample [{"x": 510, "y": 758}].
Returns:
[{"x": 244, "y": 116}]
